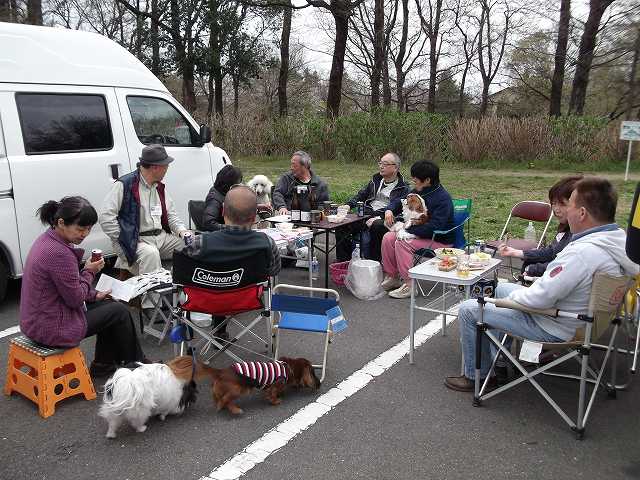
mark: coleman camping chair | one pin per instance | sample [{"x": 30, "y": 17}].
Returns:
[
  {"x": 461, "y": 218},
  {"x": 304, "y": 314},
  {"x": 605, "y": 302},
  {"x": 224, "y": 288}
]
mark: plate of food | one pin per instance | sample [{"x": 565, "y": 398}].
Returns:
[
  {"x": 479, "y": 259},
  {"x": 447, "y": 264},
  {"x": 448, "y": 252}
]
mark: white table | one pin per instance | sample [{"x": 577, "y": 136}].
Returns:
[{"x": 429, "y": 271}]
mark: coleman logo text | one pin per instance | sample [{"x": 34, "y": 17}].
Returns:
[{"x": 218, "y": 279}]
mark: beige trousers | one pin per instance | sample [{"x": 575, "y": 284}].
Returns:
[{"x": 150, "y": 252}]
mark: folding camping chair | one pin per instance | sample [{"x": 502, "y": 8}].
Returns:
[
  {"x": 223, "y": 288},
  {"x": 461, "y": 217},
  {"x": 307, "y": 314},
  {"x": 196, "y": 211},
  {"x": 605, "y": 303}
]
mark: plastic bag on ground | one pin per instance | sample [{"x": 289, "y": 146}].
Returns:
[{"x": 364, "y": 279}]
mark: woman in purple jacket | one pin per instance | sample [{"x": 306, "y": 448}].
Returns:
[{"x": 58, "y": 305}]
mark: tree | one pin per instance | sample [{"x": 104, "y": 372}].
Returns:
[
  {"x": 585, "y": 55},
  {"x": 34, "y": 12},
  {"x": 491, "y": 44},
  {"x": 557, "y": 82},
  {"x": 463, "y": 24},
  {"x": 283, "y": 76},
  {"x": 183, "y": 26},
  {"x": 340, "y": 10}
]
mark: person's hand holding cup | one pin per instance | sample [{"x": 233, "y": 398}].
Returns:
[{"x": 94, "y": 266}]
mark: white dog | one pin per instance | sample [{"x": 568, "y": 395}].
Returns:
[
  {"x": 414, "y": 212},
  {"x": 150, "y": 389},
  {"x": 262, "y": 186}
]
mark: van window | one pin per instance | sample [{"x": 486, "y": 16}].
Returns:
[
  {"x": 63, "y": 123},
  {"x": 157, "y": 121}
]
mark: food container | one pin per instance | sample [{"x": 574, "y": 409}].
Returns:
[
  {"x": 284, "y": 226},
  {"x": 334, "y": 209}
]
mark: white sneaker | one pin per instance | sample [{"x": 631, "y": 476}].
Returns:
[
  {"x": 390, "y": 283},
  {"x": 403, "y": 292}
]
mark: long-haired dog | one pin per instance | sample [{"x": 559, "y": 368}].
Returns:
[
  {"x": 262, "y": 186},
  {"x": 414, "y": 212},
  {"x": 239, "y": 379},
  {"x": 136, "y": 394}
]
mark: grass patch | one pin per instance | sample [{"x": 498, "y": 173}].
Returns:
[{"x": 493, "y": 192}]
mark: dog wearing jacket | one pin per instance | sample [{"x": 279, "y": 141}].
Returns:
[
  {"x": 273, "y": 377},
  {"x": 136, "y": 394},
  {"x": 414, "y": 212}
]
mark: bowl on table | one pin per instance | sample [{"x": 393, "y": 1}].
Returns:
[
  {"x": 335, "y": 218},
  {"x": 448, "y": 252}
]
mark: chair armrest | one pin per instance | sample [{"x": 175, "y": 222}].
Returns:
[
  {"x": 551, "y": 312},
  {"x": 444, "y": 232}
]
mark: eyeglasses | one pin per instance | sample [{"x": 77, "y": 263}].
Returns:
[{"x": 386, "y": 164}]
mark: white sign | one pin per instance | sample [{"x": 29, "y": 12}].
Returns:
[{"x": 630, "y": 131}]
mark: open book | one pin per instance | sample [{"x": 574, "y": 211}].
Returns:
[{"x": 134, "y": 286}]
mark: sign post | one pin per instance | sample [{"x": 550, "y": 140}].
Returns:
[{"x": 629, "y": 131}]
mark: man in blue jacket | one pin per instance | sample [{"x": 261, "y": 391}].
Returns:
[{"x": 384, "y": 187}]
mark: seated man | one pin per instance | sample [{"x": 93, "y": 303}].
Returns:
[
  {"x": 597, "y": 245},
  {"x": 140, "y": 218},
  {"x": 384, "y": 187},
  {"x": 139, "y": 215},
  {"x": 235, "y": 235},
  {"x": 310, "y": 187}
]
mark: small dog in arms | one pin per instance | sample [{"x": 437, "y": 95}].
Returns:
[
  {"x": 135, "y": 394},
  {"x": 414, "y": 212}
]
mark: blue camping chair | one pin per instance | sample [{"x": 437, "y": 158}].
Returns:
[
  {"x": 461, "y": 217},
  {"x": 307, "y": 314}
]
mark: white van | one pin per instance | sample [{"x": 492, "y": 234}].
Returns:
[{"x": 76, "y": 109}]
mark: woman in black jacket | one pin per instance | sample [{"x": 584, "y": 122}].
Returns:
[
  {"x": 212, "y": 218},
  {"x": 535, "y": 261}
]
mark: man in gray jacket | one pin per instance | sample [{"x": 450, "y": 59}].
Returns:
[
  {"x": 597, "y": 245},
  {"x": 301, "y": 177}
]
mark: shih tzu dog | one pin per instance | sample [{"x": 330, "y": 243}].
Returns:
[
  {"x": 135, "y": 394},
  {"x": 414, "y": 212}
]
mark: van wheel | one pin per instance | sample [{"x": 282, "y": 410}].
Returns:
[{"x": 4, "y": 280}]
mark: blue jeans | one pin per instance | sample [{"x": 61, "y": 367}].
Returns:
[{"x": 518, "y": 323}]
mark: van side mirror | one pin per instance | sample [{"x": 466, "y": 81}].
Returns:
[{"x": 205, "y": 134}]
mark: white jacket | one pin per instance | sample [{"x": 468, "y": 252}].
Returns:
[{"x": 566, "y": 283}]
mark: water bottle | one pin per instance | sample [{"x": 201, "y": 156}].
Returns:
[
  {"x": 530, "y": 233},
  {"x": 315, "y": 268},
  {"x": 356, "y": 252}
]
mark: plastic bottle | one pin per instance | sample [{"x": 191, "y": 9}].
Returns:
[
  {"x": 530, "y": 233},
  {"x": 356, "y": 252},
  {"x": 315, "y": 268}
]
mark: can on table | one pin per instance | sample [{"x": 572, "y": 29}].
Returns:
[
  {"x": 96, "y": 254},
  {"x": 334, "y": 209},
  {"x": 188, "y": 239},
  {"x": 326, "y": 208},
  {"x": 479, "y": 246},
  {"x": 316, "y": 216},
  {"x": 360, "y": 209}
]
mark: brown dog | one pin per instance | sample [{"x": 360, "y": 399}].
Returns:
[{"x": 228, "y": 384}]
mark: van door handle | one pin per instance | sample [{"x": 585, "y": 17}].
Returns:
[{"x": 114, "y": 171}]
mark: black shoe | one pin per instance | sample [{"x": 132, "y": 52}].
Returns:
[{"x": 98, "y": 369}]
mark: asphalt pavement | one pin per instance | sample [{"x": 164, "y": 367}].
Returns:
[{"x": 403, "y": 424}]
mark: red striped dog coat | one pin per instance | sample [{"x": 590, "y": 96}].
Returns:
[{"x": 263, "y": 373}]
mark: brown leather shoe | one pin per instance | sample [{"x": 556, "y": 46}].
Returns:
[{"x": 464, "y": 384}]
